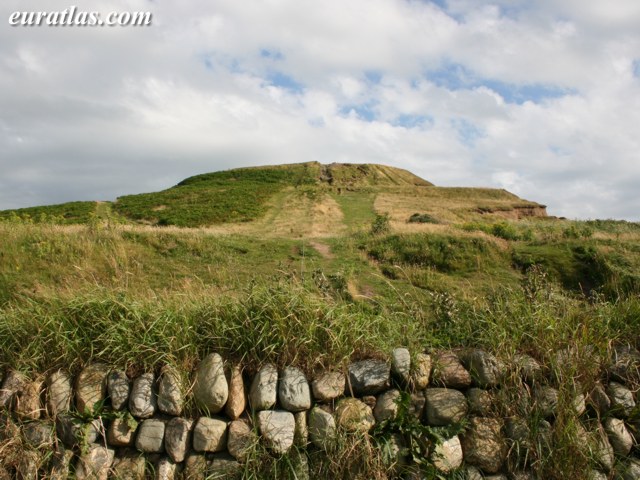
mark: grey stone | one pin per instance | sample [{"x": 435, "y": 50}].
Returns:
[
  {"x": 128, "y": 466},
  {"x": 387, "y": 406},
  {"x": 91, "y": 387},
  {"x": 328, "y": 386},
  {"x": 60, "y": 463},
  {"x": 473, "y": 473},
  {"x": 625, "y": 364},
  {"x": 483, "y": 444},
  {"x": 195, "y": 466},
  {"x": 223, "y": 466},
  {"x": 150, "y": 438},
  {"x": 449, "y": 372},
  {"x": 264, "y": 388},
  {"x": 421, "y": 371},
  {"x": 27, "y": 465},
  {"x": 417, "y": 402},
  {"x": 27, "y": 401},
  {"x": 14, "y": 382},
  {"x": 301, "y": 437},
  {"x": 485, "y": 369},
  {"x": 170, "y": 392},
  {"x": 621, "y": 398},
  {"x": 210, "y": 435},
  {"x": 619, "y": 436},
  {"x": 237, "y": 401},
  {"x": 322, "y": 427},
  {"x": 293, "y": 390},
  {"x": 596, "y": 475},
  {"x": 599, "y": 400},
  {"x": 177, "y": 438},
  {"x": 369, "y": 377},
  {"x": 527, "y": 367},
  {"x": 73, "y": 432},
  {"x": 447, "y": 456},
  {"x": 143, "y": 401},
  {"x": 603, "y": 451},
  {"x": 95, "y": 463},
  {"x": 122, "y": 431},
  {"x": 480, "y": 402},
  {"x": 59, "y": 393},
  {"x": 579, "y": 404},
  {"x": 241, "y": 440},
  {"x": 118, "y": 388},
  {"x": 353, "y": 415},
  {"x": 401, "y": 364},
  {"x": 278, "y": 429},
  {"x": 210, "y": 388},
  {"x": 546, "y": 399},
  {"x": 39, "y": 434},
  {"x": 166, "y": 469},
  {"x": 444, "y": 406},
  {"x": 630, "y": 470}
]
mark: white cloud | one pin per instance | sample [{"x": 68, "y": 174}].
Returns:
[{"x": 542, "y": 98}]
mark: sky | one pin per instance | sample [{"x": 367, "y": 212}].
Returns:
[{"x": 541, "y": 98}]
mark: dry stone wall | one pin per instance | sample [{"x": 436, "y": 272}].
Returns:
[{"x": 103, "y": 424}]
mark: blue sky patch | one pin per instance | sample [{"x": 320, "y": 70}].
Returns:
[
  {"x": 408, "y": 120},
  {"x": 282, "y": 80},
  {"x": 364, "y": 111},
  {"x": 271, "y": 54},
  {"x": 455, "y": 76},
  {"x": 468, "y": 132},
  {"x": 636, "y": 68}
]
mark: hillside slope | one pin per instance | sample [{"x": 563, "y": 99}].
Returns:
[{"x": 305, "y": 199}]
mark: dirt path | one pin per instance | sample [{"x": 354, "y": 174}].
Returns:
[{"x": 323, "y": 249}]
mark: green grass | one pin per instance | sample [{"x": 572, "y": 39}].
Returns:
[
  {"x": 357, "y": 208},
  {"x": 223, "y": 197},
  {"x": 64, "y": 213}
]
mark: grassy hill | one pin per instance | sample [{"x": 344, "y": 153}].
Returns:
[{"x": 293, "y": 200}]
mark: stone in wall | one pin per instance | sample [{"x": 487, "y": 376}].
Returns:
[
  {"x": 619, "y": 437},
  {"x": 166, "y": 469},
  {"x": 480, "y": 402},
  {"x": 264, "y": 388},
  {"x": 301, "y": 436},
  {"x": 277, "y": 427},
  {"x": 118, "y": 388},
  {"x": 328, "y": 386},
  {"x": 13, "y": 383},
  {"x": 91, "y": 387},
  {"x": 39, "y": 434},
  {"x": 150, "y": 437},
  {"x": 27, "y": 401},
  {"x": 387, "y": 406},
  {"x": 444, "y": 406},
  {"x": 128, "y": 465},
  {"x": 293, "y": 390},
  {"x": 527, "y": 367},
  {"x": 177, "y": 438},
  {"x": 449, "y": 372},
  {"x": 237, "y": 401},
  {"x": 170, "y": 392},
  {"x": 421, "y": 371},
  {"x": 210, "y": 435},
  {"x": 401, "y": 365},
  {"x": 485, "y": 369},
  {"x": 95, "y": 463},
  {"x": 322, "y": 427},
  {"x": 368, "y": 377},
  {"x": 210, "y": 389},
  {"x": 447, "y": 455},
  {"x": 59, "y": 393},
  {"x": 122, "y": 431},
  {"x": 546, "y": 399},
  {"x": 354, "y": 415},
  {"x": 483, "y": 444},
  {"x": 622, "y": 402},
  {"x": 223, "y": 465},
  {"x": 241, "y": 440},
  {"x": 143, "y": 400}
]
